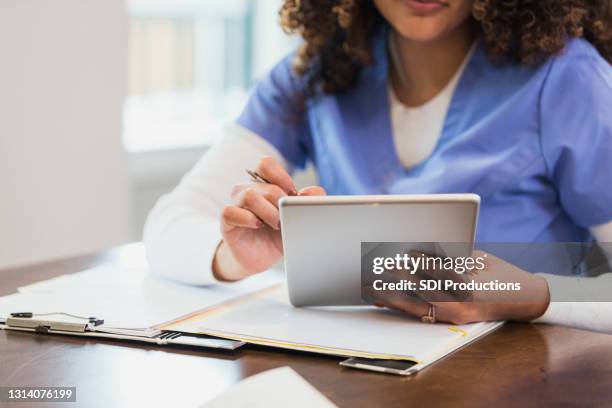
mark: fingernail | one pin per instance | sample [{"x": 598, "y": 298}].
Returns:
[
  {"x": 293, "y": 192},
  {"x": 259, "y": 224},
  {"x": 278, "y": 226}
]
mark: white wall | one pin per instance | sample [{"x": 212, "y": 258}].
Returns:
[
  {"x": 268, "y": 31},
  {"x": 154, "y": 174},
  {"x": 63, "y": 183}
]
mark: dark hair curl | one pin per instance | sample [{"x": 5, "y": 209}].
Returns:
[{"x": 337, "y": 33}]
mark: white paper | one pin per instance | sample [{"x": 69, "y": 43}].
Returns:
[
  {"x": 363, "y": 329},
  {"x": 125, "y": 297},
  {"x": 280, "y": 387}
]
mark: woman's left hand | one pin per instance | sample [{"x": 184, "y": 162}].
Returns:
[{"x": 527, "y": 304}]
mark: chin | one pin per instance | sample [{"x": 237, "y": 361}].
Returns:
[
  {"x": 425, "y": 20},
  {"x": 422, "y": 31}
]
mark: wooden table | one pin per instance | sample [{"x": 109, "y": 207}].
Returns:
[{"x": 519, "y": 365}]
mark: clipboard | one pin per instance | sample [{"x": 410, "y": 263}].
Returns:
[
  {"x": 136, "y": 299},
  {"x": 129, "y": 304},
  {"x": 92, "y": 327}
]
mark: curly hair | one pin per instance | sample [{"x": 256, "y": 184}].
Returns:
[{"x": 337, "y": 33}]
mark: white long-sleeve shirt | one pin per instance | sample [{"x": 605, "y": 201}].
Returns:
[{"x": 183, "y": 230}]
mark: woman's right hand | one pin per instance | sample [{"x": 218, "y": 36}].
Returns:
[{"x": 251, "y": 225}]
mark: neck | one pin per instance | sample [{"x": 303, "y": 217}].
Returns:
[{"x": 425, "y": 68}]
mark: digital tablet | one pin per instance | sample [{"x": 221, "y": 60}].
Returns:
[{"x": 322, "y": 237}]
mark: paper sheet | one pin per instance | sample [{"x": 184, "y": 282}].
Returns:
[
  {"x": 363, "y": 331},
  {"x": 126, "y": 298},
  {"x": 280, "y": 387}
]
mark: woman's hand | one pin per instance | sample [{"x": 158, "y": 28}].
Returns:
[
  {"x": 251, "y": 225},
  {"x": 475, "y": 306}
]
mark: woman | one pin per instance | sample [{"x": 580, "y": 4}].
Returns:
[{"x": 511, "y": 100}]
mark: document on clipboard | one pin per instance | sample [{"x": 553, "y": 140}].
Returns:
[
  {"x": 268, "y": 318},
  {"x": 120, "y": 303}
]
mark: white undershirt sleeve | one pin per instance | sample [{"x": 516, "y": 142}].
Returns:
[
  {"x": 595, "y": 316},
  {"x": 182, "y": 231}
]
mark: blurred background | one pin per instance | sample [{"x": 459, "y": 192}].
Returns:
[{"x": 105, "y": 104}]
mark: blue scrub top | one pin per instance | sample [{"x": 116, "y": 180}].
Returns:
[{"x": 534, "y": 143}]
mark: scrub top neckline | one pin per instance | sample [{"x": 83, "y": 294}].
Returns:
[
  {"x": 449, "y": 88},
  {"x": 451, "y": 121}
]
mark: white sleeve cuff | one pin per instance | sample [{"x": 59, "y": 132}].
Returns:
[
  {"x": 588, "y": 315},
  {"x": 184, "y": 252}
]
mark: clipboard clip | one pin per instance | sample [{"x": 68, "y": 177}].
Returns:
[{"x": 26, "y": 320}]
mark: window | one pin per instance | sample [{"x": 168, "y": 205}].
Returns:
[{"x": 191, "y": 64}]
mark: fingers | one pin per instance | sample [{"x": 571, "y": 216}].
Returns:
[
  {"x": 234, "y": 216},
  {"x": 438, "y": 296},
  {"x": 460, "y": 312},
  {"x": 275, "y": 173},
  {"x": 450, "y": 312},
  {"x": 263, "y": 209},
  {"x": 445, "y": 311},
  {"x": 260, "y": 200},
  {"x": 435, "y": 271},
  {"x": 312, "y": 191},
  {"x": 414, "y": 308},
  {"x": 270, "y": 192}
]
